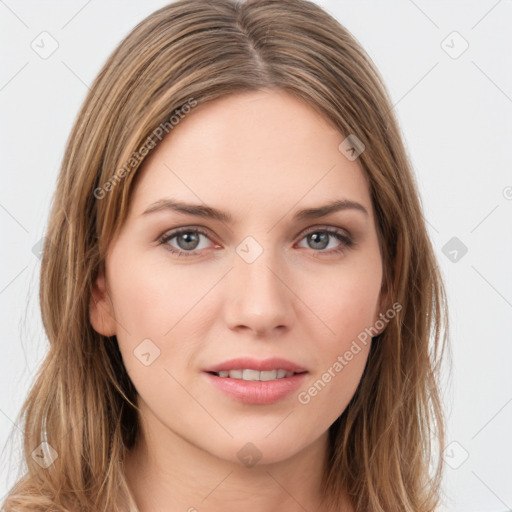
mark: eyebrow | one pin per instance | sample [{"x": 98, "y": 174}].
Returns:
[{"x": 202, "y": 210}]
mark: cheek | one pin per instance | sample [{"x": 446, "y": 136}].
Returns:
[
  {"x": 162, "y": 319},
  {"x": 153, "y": 299},
  {"x": 346, "y": 301},
  {"x": 154, "y": 342},
  {"x": 347, "y": 307},
  {"x": 331, "y": 390},
  {"x": 340, "y": 357},
  {"x": 354, "y": 307}
]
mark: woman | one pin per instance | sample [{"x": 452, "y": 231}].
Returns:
[{"x": 241, "y": 298}]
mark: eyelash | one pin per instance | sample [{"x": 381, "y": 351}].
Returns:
[{"x": 347, "y": 242}]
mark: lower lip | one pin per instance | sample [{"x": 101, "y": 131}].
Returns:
[{"x": 257, "y": 392}]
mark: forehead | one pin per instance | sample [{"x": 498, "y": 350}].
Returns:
[{"x": 265, "y": 149}]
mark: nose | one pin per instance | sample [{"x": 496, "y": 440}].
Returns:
[{"x": 259, "y": 296}]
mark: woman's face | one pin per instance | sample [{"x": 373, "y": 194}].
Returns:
[{"x": 258, "y": 281}]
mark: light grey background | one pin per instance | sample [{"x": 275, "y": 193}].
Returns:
[{"x": 455, "y": 112}]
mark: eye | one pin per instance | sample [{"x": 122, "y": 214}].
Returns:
[
  {"x": 319, "y": 238},
  {"x": 187, "y": 239}
]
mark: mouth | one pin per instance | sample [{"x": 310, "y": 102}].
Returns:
[
  {"x": 248, "y": 374},
  {"x": 256, "y": 382}
]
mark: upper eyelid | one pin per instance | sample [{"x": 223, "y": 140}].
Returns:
[
  {"x": 204, "y": 230},
  {"x": 326, "y": 227}
]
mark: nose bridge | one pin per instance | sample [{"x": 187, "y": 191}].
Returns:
[{"x": 259, "y": 298}]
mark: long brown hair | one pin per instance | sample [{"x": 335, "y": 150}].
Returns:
[{"x": 82, "y": 402}]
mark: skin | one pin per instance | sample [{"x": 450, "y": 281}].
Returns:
[{"x": 260, "y": 156}]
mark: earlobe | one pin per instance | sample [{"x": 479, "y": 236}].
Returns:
[{"x": 101, "y": 312}]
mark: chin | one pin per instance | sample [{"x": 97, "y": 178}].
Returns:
[{"x": 259, "y": 447}]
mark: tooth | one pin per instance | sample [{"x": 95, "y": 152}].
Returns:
[
  {"x": 255, "y": 375},
  {"x": 268, "y": 375},
  {"x": 251, "y": 375}
]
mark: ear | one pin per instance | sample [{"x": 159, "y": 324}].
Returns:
[{"x": 101, "y": 310}]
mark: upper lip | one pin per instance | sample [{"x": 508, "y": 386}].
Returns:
[{"x": 240, "y": 363}]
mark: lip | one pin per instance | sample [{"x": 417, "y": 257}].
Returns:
[
  {"x": 257, "y": 392},
  {"x": 273, "y": 363}
]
